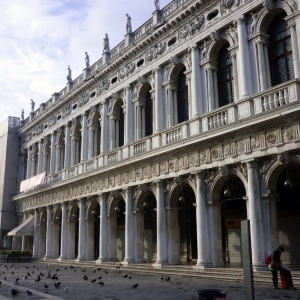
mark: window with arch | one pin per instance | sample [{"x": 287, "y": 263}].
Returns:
[
  {"x": 225, "y": 77},
  {"x": 280, "y": 51},
  {"x": 121, "y": 128},
  {"x": 182, "y": 97},
  {"x": 149, "y": 114}
]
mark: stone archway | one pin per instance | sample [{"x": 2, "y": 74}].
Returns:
[
  {"x": 56, "y": 233},
  {"x": 42, "y": 237},
  {"x": 73, "y": 231}
]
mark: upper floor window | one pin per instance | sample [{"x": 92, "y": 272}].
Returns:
[
  {"x": 280, "y": 51},
  {"x": 182, "y": 98},
  {"x": 225, "y": 77},
  {"x": 149, "y": 113},
  {"x": 121, "y": 128}
]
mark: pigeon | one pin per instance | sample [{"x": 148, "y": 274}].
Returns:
[
  {"x": 14, "y": 292},
  {"x": 86, "y": 278},
  {"x": 58, "y": 284},
  {"x": 135, "y": 286},
  {"x": 83, "y": 270},
  {"x": 99, "y": 269},
  {"x": 129, "y": 277},
  {"x": 66, "y": 289},
  {"x": 12, "y": 273},
  {"x": 71, "y": 267},
  {"x": 57, "y": 270},
  {"x": 46, "y": 286},
  {"x": 38, "y": 279},
  {"x": 93, "y": 281},
  {"x": 4, "y": 278},
  {"x": 101, "y": 283},
  {"x": 17, "y": 282},
  {"x": 48, "y": 276},
  {"x": 99, "y": 277},
  {"x": 162, "y": 278},
  {"x": 106, "y": 272},
  {"x": 29, "y": 293},
  {"x": 29, "y": 274},
  {"x": 125, "y": 276},
  {"x": 168, "y": 278}
]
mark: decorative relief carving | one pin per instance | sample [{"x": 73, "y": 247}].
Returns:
[
  {"x": 66, "y": 112},
  {"x": 243, "y": 169},
  {"x": 181, "y": 162},
  {"x": 153, "y": 53},
  {"x": 192, "y": 28},
  {"x": 240, "y": 147},
  {"x": 288, "y": 134},
  {"x": 192, "y": 159},
  {"x": 172, "y": 165},
  {"x": 227, "y": 150},
  {"x": 84, "y": 99},
  {"x": 265, "y": 167},
  {"x": 202, "y": 157},
  {"x": 103, "y": 86},
  {"x": 52, "y": 122},
  {"x": 271, "y": 138},
  {"x": 255, "y": 143},
  {"x": 153, "y": 170},
  {"x": 146, "y": 172},
  {"x": 214, "y": 153},
  {"x": 129, "y": 69},
  {"x": 40, "y": 130}
]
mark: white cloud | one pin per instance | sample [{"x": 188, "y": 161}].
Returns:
[{"x": 40, "y": 38}]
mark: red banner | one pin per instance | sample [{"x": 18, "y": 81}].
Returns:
[{"x": 32, "y": 182}]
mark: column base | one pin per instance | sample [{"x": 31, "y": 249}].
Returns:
[
  {"x": 47, "y": 257},
  {"x": 128, "y": 262},
  {"x": 260, "y": 268},
  {"x": 159, "y": 264},
  {"x": 62, "y": 259},
  {"x": 99, "y": 261},
  {"x": 79, "y": 259},
  {"x": 202, "y": 266}
]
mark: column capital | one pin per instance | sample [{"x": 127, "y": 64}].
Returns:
[
  {"x": 159, "y": 183},
  {"x": 200, "y": 174},
  {"x": 251, "y": 163},
  {"x": 81, "y": 201},
  {"x": 241, "y": 20}
]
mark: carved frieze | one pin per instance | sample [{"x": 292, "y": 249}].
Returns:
[
  {"x": 153, "y": 53},
  {"x": 192, "y": 28},
  {"x": 66, "y": 112},
  {"x": 103, "y": 86},
  {"x": 84, "y": 99}
]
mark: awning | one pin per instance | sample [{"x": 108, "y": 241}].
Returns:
[
  {"x": 32, "y": 182},
  {"x": 24, "y": 229}
]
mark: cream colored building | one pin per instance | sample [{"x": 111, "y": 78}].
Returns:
[{"x": 158, "y": 150}]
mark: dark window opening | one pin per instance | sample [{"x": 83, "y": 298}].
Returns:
[
  {"x": 225, "y": 77},
  {"x": 182, "y": 98},
  {"x": 149, "y": 113},
  {"x": 172, "y": 41},
  {"x": 114, "y": 80},
  {"x": 45, "y": 126},
  {"x": 212, "y": 15},
  {"x": 93, "y": 94},
  {"x": 140, "y": 63},
  {"x": 59, "y": 117},
  {"x": 74, "y": 106},
  {"x": 280, "y": 51},
  {"x": 121, "y": 128}
]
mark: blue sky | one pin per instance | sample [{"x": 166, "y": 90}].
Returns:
[{"x": 40, "y": 38}]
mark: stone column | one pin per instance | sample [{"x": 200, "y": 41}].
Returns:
[
  {"x": 170, "y": 110},
  {"x": 196, "y": 82},
  {"x": 158, "y": 106},
  {"x": 138, "y": 228},
  {"x": 129, "y": 121},
  {"x": 104, "y": 128},
  {"x": 210, "y": 88},
  {"x": 29, "y": 163},
  {"x": 67, "y": 146},
  {"x": 112, "y": 237},
  {"x": 270, "y": 221},
  {"x": 262, "y": 66},
  {"x": 64, "y": 232},
  {"x": 128, "y": 228},
  {"x": 138, "y": 125},
  {"x": 103, "y": 251},
  {"x": 48, "y": 254},
  {"x": 235, "y": 77},
  {"x": 55, "y": 238},
  {"x": 91, "y": 142},
  {"x": 40, "y": 158},
  {"x": 36, "y": 234},
  {"x": 255, "y": 216},
  {"x": 112, "y": 132},
  {"x": 202, "y": 222},
  {"x": 58, "y": 158},
  {"x": 53, "y": 153},
  {"x": 161, "y": 226},
  {"x": 24, "y": 238},
  {"x": 173, "y": 235},
  {"x": 245, "y": 77},
  {"x": 84, "y": 133},
  {"x": 81, "y": 235},
  {"x": 295, "y": 50}
]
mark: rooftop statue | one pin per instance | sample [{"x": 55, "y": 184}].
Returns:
[
  {"x": 69, "y": 77},
  {"x": 22, "y": 115},
  {"x": 106, "y": 44},
  {"x": 128, "y": 25},
  {"x": 156, "y": 3},
  {"x": 87, "y": 60},
  {"x": 32, "y": 105}
]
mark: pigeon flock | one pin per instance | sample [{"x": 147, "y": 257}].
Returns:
[{"x": 49, "y": 278}]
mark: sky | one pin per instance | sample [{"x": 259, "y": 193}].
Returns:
[{"x": 40, "y": 38}]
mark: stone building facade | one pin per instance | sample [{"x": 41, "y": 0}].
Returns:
[{"x": 159, "y": 150}]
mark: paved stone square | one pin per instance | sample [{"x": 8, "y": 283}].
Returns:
[{"x": 116, "y": 286}]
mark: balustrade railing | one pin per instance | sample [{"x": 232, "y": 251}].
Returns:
[
  {"x": 174, "y": 136},
  {"x": 139, "y": 148},
  {"x": 112, "y": 158}
]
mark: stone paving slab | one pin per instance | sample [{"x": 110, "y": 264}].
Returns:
[{"x": 118, "y": 288}]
